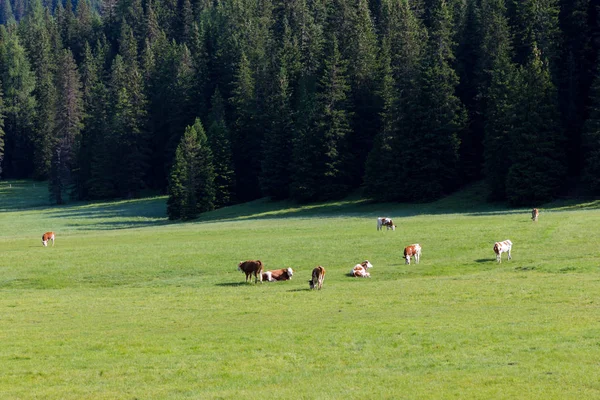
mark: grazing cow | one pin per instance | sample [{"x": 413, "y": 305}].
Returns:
[
  {"x": 387, "y": 222},
  {"x": 360, "y": 270},
  {"x": 251, "y": 267},
  {"x": 318, "y": 275},
  {"x": 534, "y": 214},
  {"x": 282, "y": 274},
  {"x": 502, "y": 247},
  {"x": 47, "y": 236},
  {"x": 414, "y": 250}
]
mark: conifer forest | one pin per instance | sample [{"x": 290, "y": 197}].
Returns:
[{"x": 216, "y": 102}]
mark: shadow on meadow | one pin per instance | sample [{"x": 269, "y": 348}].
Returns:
[{"x": 21, "y": 195}]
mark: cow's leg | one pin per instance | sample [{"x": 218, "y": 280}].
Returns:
[{"x": 509, "y": 256}]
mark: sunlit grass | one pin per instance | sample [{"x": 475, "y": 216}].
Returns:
[{"x": 128, "y": 305}]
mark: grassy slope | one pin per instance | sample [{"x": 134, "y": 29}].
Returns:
[{"x": 127, "y": 305}]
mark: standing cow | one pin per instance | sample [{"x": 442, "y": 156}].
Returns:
[
  {"x": 47, "y": 236},
  {"x": 414, "y": 250},
  {"x": 361, "y": 270},
  {"x": 387, "y": 222},
  {"x": 282, "y": 274},
  {"x": 535, "y": 214},
  {"x": 251, "y": 267},
  {"x": 318, "y": 275},
  {"x": 502, "y": 247}
]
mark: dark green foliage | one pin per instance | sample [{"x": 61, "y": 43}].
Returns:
[
  {"x": 191, "y": 183},
  {"x": 591, "y": 141},
  {"x": 1, "y": 129},
  {"x": 538, "y": 160},
  {"x": 69, "y": 116}
]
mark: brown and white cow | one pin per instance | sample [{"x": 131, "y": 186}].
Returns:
[
  {"x": 387, "y": 222},
  {"x": 318, "y": 275},
  {"x": 251, "y": 267},
  {"x": 534, "y": 214},
  {"x": 282, "y": 274},
  {"x": 414, "y": 250},
  {"x": 47, "y": 236},
  {"x": 502, "y": 247},
  {"x": 360, "y": 270}
]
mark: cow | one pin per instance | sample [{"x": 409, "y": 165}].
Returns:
[
  {"x": 318, "y": 275},
  {"x": 251, "y": 267},
  {"x": 282, "y": 274},
  {"x": 502, "y": 247},
  {"x": 387, "y": 222},
  {"x": 360, "y": 270},
  {"x": 414, "y": 250},
  {"x": 534, "y": 214},
  {"x": 47, "y": 236}
]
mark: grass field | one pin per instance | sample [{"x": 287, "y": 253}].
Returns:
[{"x": 129, "y": 306}]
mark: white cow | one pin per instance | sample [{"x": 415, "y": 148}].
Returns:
[
  {"x": 387, "y": 222},
  {"x": 361, "y": 270},
  {"x": 502, "y": 247}
]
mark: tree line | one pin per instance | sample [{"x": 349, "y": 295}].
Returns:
[{"x": 224, "y": 101}]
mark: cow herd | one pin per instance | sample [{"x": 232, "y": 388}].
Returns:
[{"x": 256, "y": 268}]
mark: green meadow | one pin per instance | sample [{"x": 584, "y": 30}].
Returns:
[{"x": 128, "y": 305}]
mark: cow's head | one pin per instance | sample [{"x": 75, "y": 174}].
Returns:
[
  {"x": 239, "y": 265},
  {"x": 290, "y": 272},
  {"x": 311, "y": 284},
  {"x": 367, "y": 264},
  {"x": 44, "y": 243}
]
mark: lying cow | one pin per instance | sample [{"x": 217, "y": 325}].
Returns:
[
  {"x": 387, "y": 222},
  {"x": 283, "y": 274},
  {"x": 360, "y": 270},
  {"x": 414, "y": 250},
  {"x": 251, "y": 267},
  {"x": 502, "y": 247},
  {"x": 47, "y": 236},
  {"x": 535, "y": 214},
  {"x": 318, "y": 275}
]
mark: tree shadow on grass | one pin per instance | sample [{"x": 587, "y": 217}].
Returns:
[
  {"x": 485, "y": 260},
  {"x": 300, "y": 290}
]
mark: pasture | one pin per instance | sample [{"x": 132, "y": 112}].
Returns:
[{"x": 127, "y": 305}]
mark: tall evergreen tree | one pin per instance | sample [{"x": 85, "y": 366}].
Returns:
[
  {"x": 591, "y": 174},
  {"x": 538, "y": 160},
  {"x": 191, "y": 183},
  {"x": 69, "y": 116},
  {"x": 497, "y": 81},
  {"x": 246, "y": 136},
  {"x": 6, "y": 13},
  {"x": 327, "y": 141},
  {"x": 38, "y": 42},
  {"x": 220, "y": 145},
  {"x": 1, "y": 129},
  {"x": 438, "y": 116},
  {"x": 18, "y": 85}
]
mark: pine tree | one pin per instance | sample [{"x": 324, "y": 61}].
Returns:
[
  {"x": 69, "y": 116},
  {"x": 37, "y": 41},
  {"x": 246, "y": 137},
  {"x": 18, "y": 85},
  {"x": 327, "y": 142},
  {"x": 277, "y": 145},
  {"x": 591, "y": 172},
  {"x": 438, "y": 117},
  {"x": 498, "y": 80},
  {"x": 1, "y": 128},
  {"x": 538, "y": 161},
  {"x": 191, "y": 183},
  {"x": 6, "y": 13},
  {"x": 220, "y": 145}
]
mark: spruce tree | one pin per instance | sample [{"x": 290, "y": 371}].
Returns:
[
  {"x": 69, "y": 116},
  {"x": 538, "y": 169},
  {"x": 6, "y": 13},
  {"x": 18, "y": 85},
  {"x": 591, "y": 141},
  {"x": 438, "y": 116},
  {"x": 220, "y": 145},
  {"x": 191, "y": 183},
  {"x": 246, "y": 136},
  {"x": 1, "y": 129},
  {"x": 497, "y": 78}
]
